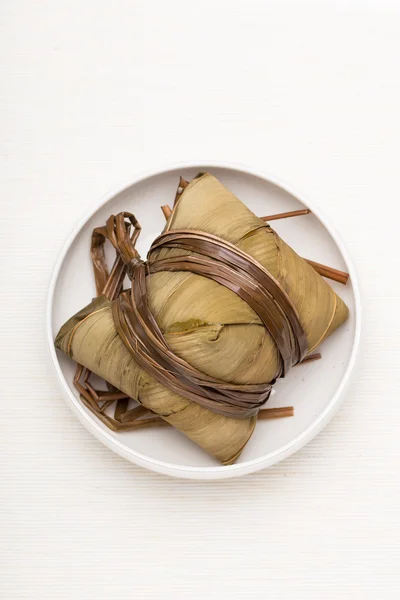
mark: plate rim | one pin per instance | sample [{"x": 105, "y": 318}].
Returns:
[{"x": 218, "y": 471}]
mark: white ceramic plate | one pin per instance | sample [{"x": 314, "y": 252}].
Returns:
[{"x": 314, "y": 390}]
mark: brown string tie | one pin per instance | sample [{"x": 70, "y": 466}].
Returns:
[{"x": 213, "y": 258}]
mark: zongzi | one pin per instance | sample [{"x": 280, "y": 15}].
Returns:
[{"x": 221, "y": 308}]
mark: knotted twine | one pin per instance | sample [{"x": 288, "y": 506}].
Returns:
[{"x": 210, "y": 256}]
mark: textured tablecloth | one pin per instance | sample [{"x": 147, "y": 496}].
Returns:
[{"x": 92, "y": 92}]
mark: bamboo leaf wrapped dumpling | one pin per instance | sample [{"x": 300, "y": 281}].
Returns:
[{"x": 217, "y": 342}]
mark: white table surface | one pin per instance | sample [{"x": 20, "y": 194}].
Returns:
[{"x": 93, "y": 92}]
